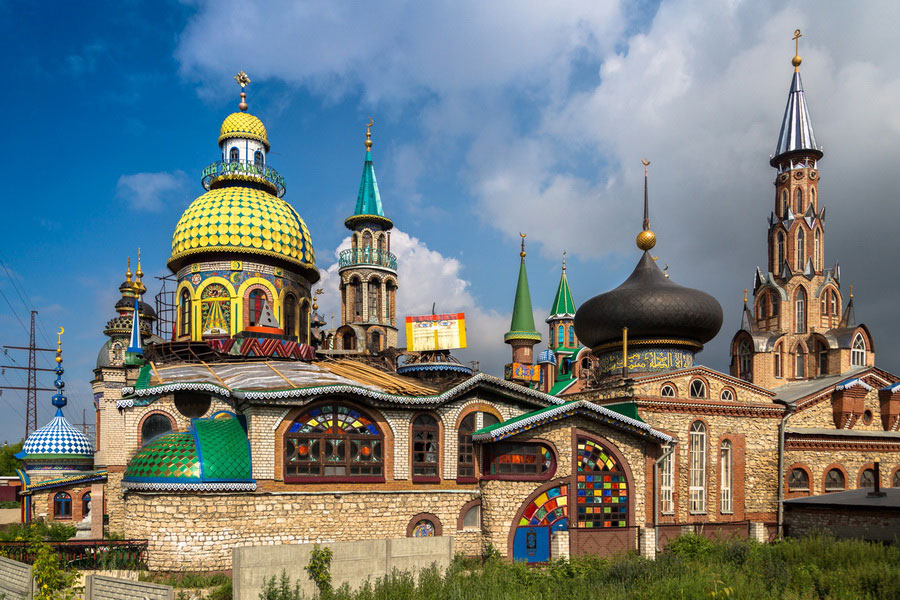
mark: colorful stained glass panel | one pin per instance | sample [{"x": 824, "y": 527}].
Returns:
[
  {"x": 601, "y": 488},
  {"x": 549, "y": 509}
]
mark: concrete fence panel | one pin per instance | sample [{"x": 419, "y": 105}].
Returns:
[
  {"x": 98, "y": 587},
  {"x": 352, "y": 562},
  {"x": 15, "y": 579}
]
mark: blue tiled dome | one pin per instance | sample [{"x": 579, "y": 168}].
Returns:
[
  {"x": 57, "y": 439},
  {"x": 547, "y": 356}
]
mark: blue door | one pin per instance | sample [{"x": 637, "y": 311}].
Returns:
[{"x": 532, "y": 544}]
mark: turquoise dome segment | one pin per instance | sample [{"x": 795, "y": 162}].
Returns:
[
  {"x": 57, "y": 439},
  {"x": 213, "y": 455}
]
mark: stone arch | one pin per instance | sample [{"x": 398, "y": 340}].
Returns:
[
  {"x": 787, "y": 477},
  {"x": 436, "y": 522}
]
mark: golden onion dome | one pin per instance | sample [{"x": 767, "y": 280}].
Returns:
[
  {"x": 243, "y": 220},
  {"x": 244, "y": 125}
]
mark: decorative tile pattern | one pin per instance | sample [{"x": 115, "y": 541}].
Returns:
[
  {"x": 56, "y": 438},
  {"x": 602, "y": 491},
  {"x": 550, "y": 508},
  {"x": 244, "y": 125}
]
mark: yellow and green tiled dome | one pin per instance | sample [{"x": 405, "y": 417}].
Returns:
[
  {"x": 213, "y": 455},
  {"x": 243, "y": 220},
  {"x": 244, "y": 125}
]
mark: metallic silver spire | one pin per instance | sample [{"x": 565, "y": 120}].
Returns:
[{"x": 796, "y": 128}]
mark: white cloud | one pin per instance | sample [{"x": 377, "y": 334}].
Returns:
[{"x": 151, "y": 192}]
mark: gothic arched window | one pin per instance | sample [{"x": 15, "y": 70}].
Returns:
[
  {"x": 801, "y": 249},
  {"x": 858, "y": 351},
  {"x": 800, "y": 311},
  {"x": 782, "y": 209},
  {"x": 255, "y": 302},
  {"x": 289, "y": 310},
  {"x": 800, "y": 366},
  {"x": 697, "y": 487},
  {"x": 780, "y": 252},
  {"x": 234, "y": 155},
  {"x": 185, "y": 307},
  {"x": 818, "y": 250},
  {"x": 698, "y": 389},
  {"x": 745, "y": 361},
  {"x": 799, "y": 202}
]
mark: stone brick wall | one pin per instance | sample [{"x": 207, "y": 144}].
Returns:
[
  {"x": 821, "y": 414},
  {"x": 880, "y": 525},
  {"x": 851, "y": 463},
  {"x": 198, "y": 532}
]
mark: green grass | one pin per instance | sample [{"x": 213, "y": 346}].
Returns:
[
  {"x": 186, "y": 579},
  {"x": 692, "y": 567}
]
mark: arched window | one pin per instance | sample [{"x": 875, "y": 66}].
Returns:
[
  {"x": 465, "y": 466},
  {"x": 798, "y": 204},
  {"x": 234, "y": 155},
  {"x": 763, "y": 312},
  {"x": 896, "y": 482},
  {"x": 822, "y": 358},
  {"x": 375, "y": 342},
  {"x": 62, "y": 506},
  {"x": 801, "y": 249},
  {"x": 858, "y": 351},
  {"x": 423, "y": 528},
  {"x": 348, "y": 341},
  {"x": 698, "y": 389},
  {"x": 780, "y": 252},
  {"x": 775, "y": 303},
  {"x": 425, "y": 448},
  {"x": 834, "y": 481},
  {"x": 154, "y": 426},
  {"x": 798, "y": 481},
  {"x": 867, "y": 479},
  {"x": 779, "y": 360},
  {"x": 800, "y": 364},
  {"x": 667, "y": 391},
  {"x": 334, "y": 442},
  {"x": 697, "y": 487},
  {"x": 357, "y": 299},
  {"x": 86, "y": 504},
  {"x": 289, "y": 310},
  {"x": 185, "y": 307},
  {"x": 258, "y": 159},
  {"x": 606, "y": 504},
  {"x": 379, "y": 240},
  {"x": 727, "y": 395},
  {"x": 571, "y": 335},
  {"x": 745, "y": 361},
  {"x": 367, "y": 239},
  {"x": 303, "y": 331},
  {"x": 255, "y": 301},
  {"x": 818, "y": 251},
  {"x": 726, "y": 470},
  {"x": 560, "y": 335},
  {"x": 667, "y": 485},
  {"x": 215, "y": 310},
  {"x": 782, "y": 210},
  {"x": 800, "y": 311},
  {"x": 472, "y": 519},
  {"x": 835, "y": 305}
]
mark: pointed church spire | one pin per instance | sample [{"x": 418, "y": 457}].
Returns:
[
  {"x": 796, "y": 128},
  {"x": 849, "y": 318},
  {"x": 521, "y": 326},
  {"x": 646, "y": 239},
  {"x": 563, "y": 305},
  {"x": 134, "y": 345},
  {"x": 368, "y": 200}
]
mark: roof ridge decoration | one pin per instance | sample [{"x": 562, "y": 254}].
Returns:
[
  {"x": 368, "y": 199},
  {"x": 852, "y": 383},
  {"x": 521, "y": 326},
  {"x": 796, "y": 127},
  {"x": 563, "y": 304}
]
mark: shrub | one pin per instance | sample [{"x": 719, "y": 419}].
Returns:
[
  {"x": 319, "y": 568},
  {"x": 690, "y": 546},
  {"x": 280, "y": 589}
]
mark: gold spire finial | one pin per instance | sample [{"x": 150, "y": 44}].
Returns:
[
  {"x": 139, "y": 272},
  {"x": 243, "y": 80},
  {"x": 128, "y": 272},
  {"x": 796, "y": 60},
  {"x": 745, "y": 294},
  {"x": 522, "y": 253},
  {"x": 369, "y": 134},
  {"x": 59, "y": 343},
  {"x": 139, "y": 286},
  {"x": 851, "y": 291},
  {"x": 646, "y": 239},
  {"x": 316, "y": 295},
  {"x": 564, "y": 261}
]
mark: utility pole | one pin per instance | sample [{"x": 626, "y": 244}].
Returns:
[{"x": 31, "y": 388}]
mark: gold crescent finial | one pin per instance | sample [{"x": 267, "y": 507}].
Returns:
[
  {"x": 369, "y": 134},
  {"x": 59, "y": 344},
  {"x": 522, "y": 253},
  {"x": 796, "y": 60}
]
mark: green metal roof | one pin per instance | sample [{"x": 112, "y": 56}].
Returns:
[
  {"x": 563, "y": 305},
  {"x": 521, "y": 326},
  {"x": 368, "y": 200},
  {"x": 561, "y": 386},
  {"x": 627, "y": 409}
]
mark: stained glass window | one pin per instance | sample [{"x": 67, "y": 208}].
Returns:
[
  {"x": 215, "y": 310},
  {"x": 602, "y": 490},
  {"x": 423, "y": 528},
  {"x": 425, "y": 446},
  {"x": 520, "y": 459},
  {"x": 333, "y": 441},
  {"x": 549, "y": 509}
]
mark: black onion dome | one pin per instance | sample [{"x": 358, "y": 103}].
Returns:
[
  {"x": 147, "y": 311},
  {"x": 652, "y": 306}
]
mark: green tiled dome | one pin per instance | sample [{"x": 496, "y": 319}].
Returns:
[{"x": 213, "y": 455}]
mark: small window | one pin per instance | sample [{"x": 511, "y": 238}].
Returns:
[
  {"x": 425, "y": 447},
  {"x": 62, "y": 506},
  {"x": 520, "y": 459},
  {"x": 867, "y": 479},
  {"x": 571, "y": 336},
  {"x": 155, "y": 426},
  {"x": 726, "y": 469},
  {"x": 834, "y": 481},
  {"x": 258, "y": 158},
  {"x": 185, "y": 312},
  {"x": 423, "y": 528},
  {"x": 560, "y": 335},
  {"x": 867, "y": 417},
  {"x": 779, "y": 359},
  {"x": 798, "y": 207},
  {"x": 727, "y": 395},
  {"x": 698, "y": 389},
  {"x": 86, "y": 504},
  {"x": 896, "y": 482},
  {"x": 472, "y": 518},
  {"x": 745, "y": 361},
  {"x": 801, "y": 249},
  {"x": 255, "y": 301},
  {"x": 667, "y": 391},
  {"x": 192, "y": 405},
  {"x": 780, "y": 252},
  {"x": 585, "y": 363},
  {"x": 234, "y": 155},
  {"x": 798, "y": 481},
  {"x": 800, "y": 366},
  {"x": 289, "y": 310},
  {"x": 858, "y": 352}
]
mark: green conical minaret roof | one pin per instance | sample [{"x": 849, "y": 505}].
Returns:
[
  {"x": 368, "y": 200},
  {"x": 521, "y": 326},
  {"x": 563, "y": 305}
]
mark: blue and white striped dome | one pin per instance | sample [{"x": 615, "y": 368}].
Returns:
[
  {"x": 57, "y": 439},
  {"x": 547, "y": 356}
]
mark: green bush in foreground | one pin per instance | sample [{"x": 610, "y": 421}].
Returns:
[{"x": 692, "y": 567}]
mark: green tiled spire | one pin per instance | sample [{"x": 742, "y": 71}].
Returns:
[
  {"x": 368, "y": 200},
  {"x": 563, "y": 305},
  {"x": 522, "y": 325}
]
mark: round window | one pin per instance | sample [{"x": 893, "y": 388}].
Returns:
[
  {"x": 192, "y": 405},
  {"x": 154, "y": 426},
  {"x": 423, "y": 528},
  {"x": 867, "y": 417}
]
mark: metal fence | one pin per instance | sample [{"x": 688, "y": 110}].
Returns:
[{"x": 86, "y": 554}]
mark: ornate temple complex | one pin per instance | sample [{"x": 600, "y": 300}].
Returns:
[{"x": 245, "y": 426}]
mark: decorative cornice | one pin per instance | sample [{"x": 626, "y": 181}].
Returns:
[
  {"x": 792, "y": 442},
  {"x": 712, "y": 408},
  {"x": 168, "y": 388},
  {"x": 29, "y": 488},
  {"x": 734, "y": 381},
  {"x": 230, "y": 486}
]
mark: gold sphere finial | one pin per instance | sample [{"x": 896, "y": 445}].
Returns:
[
  {"x": 368, "y": 141},
  {"x": 646, "y": 240},
  {"x": 746, "y": 291},
  {"x": 796, "y": 60},
  {"x": 522, "y": 253},
  {"x": 243, "y": 80},
  {"x": 59, "y": 344},
  {"x": 851, "y": 291},
  {"x": 128, "y": 272}
]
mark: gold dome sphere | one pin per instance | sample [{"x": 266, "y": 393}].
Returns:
[
  {"x": 646, "y": 240},
  {"x": 244, "y": 125},
  {"x": 220, "y": 212},
  {"x": 796, "y": 60}
]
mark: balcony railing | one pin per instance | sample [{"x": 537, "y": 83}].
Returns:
[
  {"x": 367, "y": 256},
  {"x": 226, "y": 168}
]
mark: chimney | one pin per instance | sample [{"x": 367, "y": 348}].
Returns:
[{"x": 877, "y": 493}]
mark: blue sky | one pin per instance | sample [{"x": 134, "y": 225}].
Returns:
[{"x": 491, "y": 118}]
